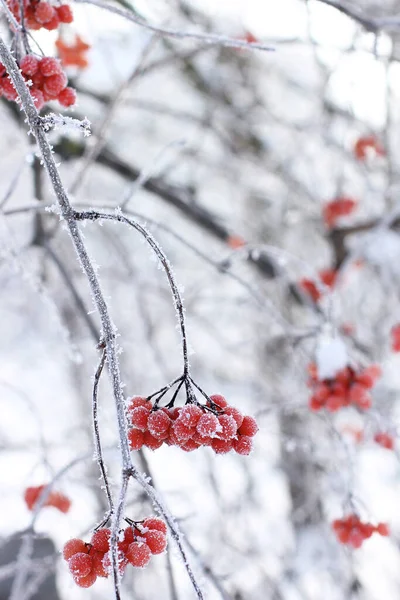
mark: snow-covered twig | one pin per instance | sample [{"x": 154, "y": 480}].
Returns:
[{"x": 53, "y": 121}]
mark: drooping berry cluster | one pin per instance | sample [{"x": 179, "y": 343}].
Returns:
[
  {"x": 49, "y": 82},
  {"x": 368, "y": 144},
  {"x": 348, "y": 387},
  {"x": 327, "y": 277},
  {"x": 38, "y": 14},
  {"x": 218, "y": 425},
  {"x": 337, "y": 208},
  {"x": 56, "y": 499},
  {"x": 352, "y": 531},
  {"x": 137, "y": 543}
]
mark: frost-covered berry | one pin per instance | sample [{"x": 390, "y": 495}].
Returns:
[
  {"x": 136, "y": 439},
  {"x": 98, "y": 564},
  {"x": 207, "y": 425},
  {"x": 249, "y": 426},
  {"x": 190, "y": 414},
  {"x": 139, "y": 417},
  {"x": 101, "y": 540},
  {"x": 221, "y": 446},
  {"x": 29, "y": 65},
  {"x": 181, "y": 431},
  {"x": 219, "y": 400},
  {"x": 54, "y": 84},
  {"x": 50, "y": 66},
  {"x": 155, "y": 523},
  {"x": 80, "y": 564},
  {"x": 67, "y": 97},
  {"x": 138, "y": 554},
  {"x": 158, "y": 424},
  {"x": 137, "y": 401},
  {"x": 72, "y": 547},
  {"x": 44, "y": 12},
  {"x": 53, "y": 23},
  {"x": 228, "y": 427},
  {"x": 235, "y": 413},
  {"x": 86, "y": 582},
  {"x": 151, "y": 442},
  {"x": 156, "y": 541},
  {"x": 243, "y": 445}
]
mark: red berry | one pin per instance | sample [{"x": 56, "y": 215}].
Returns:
[
  {"x": 67, "y": 97},
  {"x": 156, "y": 541},
  {"x": 64, "y": 13},
  {"x": 59, "y": 501},
  {"x": 53, "y": 23},
  {"x": 44, "y": 12},
  {"x": 181, "y": 431},
  {"x": 155, "y": 523},
  {"x": 151, "y": 442},
  {"x": 219, "y": 400},
  {"x": 50, "y": 66},
  {"x": 9, "y": 91},
  {"x": 190, "y": 414},
  {"x": 86, "y": 582},
  {"x": 190, "y": 445},
  {"x": 207, "y": 425},
  {"x": 54, "y": 84},
  {"x": 98, "y": 565},
  {"x": 29, "y": 65},
  {"x": 139, "y": 417},
  {"x": 228, "y": 427},
  {"x": 137, "y": 401},
  {"x": 74, "y": 546},
  {"x": 235, "y": 413},
  {"x": 80, "y": 564},
  {"x": 101, "y": 540},
  {"x": 136, "y": 439},
  {"x": 138, "y": 554},
  {"x": 221, "y": 446},
  {"x": 383, "y": 529},
  {"x": 243, "y": 445},
  {"x": 249, "y": 426},
  {"x": 158, "y": 424}
]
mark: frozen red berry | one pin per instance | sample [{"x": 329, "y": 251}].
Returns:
[
  {"x": 243, "y": 445},
  {"x": 249, "y": 427},
  {"x": 101, "y": 540},
  {"x": 151, "y": 442},
  {"x": 29, "y": 65},
  {"x": 190, "y": 415},
  {"x": 156, "y": 541},
  {"x": 72, "y": 547},
  {"x": 228, "y": 427},
  {"x": 155, "y": 523},
  {"x": 54, "y": 84},
  {"x": 138, "y": 554},
  {"x": 44, "y": 12},
  {"x": 80, "y": 564},
  {"x": 136, "y": 439},
  {"x": 221, "y": 446},
  {"x": 208, "y": 425},
  {"x": 139, "y": 417},
  {"x": 67, "y": 97},
  {"x": 50, "y": 66},
  {"x": 86, "y": 582},
  {"x": 64, "y": 13},
  {"x": 158, "y": 424}
]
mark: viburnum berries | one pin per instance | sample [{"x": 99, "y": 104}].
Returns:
[
  {"x": 55, "y": 499},
  {"x": 348, "y": 387},
  {"x": 352, "y": 531},
  {"x": 38, "y": 14},
  {"x": 216, "y": 424},
  {"x": 137, "y": 543}
]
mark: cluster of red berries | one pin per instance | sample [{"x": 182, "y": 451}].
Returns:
[
  {"x": 327, "y": 277},
  {"x": 38, "y": 14},
  {"x": 395, "y": 335},
  {"x": 384, "y": 439},
  {"x": 352, "y": 531},
  {"x": 56, "y": 499},
  {"x": 49, "y": 82},
  {"x": 218, "y": 425},
  {"x": 368, "y": 144},
  {"x": 138, "y": 542},
  {"x": 334, "y": 210},
  {"x": 346, "y": 388}
]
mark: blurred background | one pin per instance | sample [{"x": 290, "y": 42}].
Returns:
[{"x": 233, "y": 159}]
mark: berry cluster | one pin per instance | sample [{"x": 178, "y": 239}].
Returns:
[
  {"x": 352, "y": 531},
  {"x": 346, "y": 388},
  {"x": 327, "y": 277},
  {"x": 38, "y": 14},
  {"x": 73, "y": 55},
  {"x": 49, "y": 82},
  {"x": 218, "y": 425},
  {"x": 395, "y": 335},
  {"x": 334, "y": 210},
  {"x": 87, "y": 561},
  {"x": 56, "y": 499},
  {"x": 384, "y": 439},
  {"x": 366, "y": 145}
]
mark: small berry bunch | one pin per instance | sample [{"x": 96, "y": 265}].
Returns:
[
  {"x": 395, "y": 335},
  {"x": 56, "y": 499},
  {"x": 352, "y": 531},
  {"x": 384, "y": 439},
  {"x": 38, "y": 14},
  {"x": 368, "y": 144},
  {"x": 334, "y": 210},
  {"x": 48, "y": 81},
  {"x": 216, "y": 424},
  {"x": 138, "y": 542},
  {"x": 327, "y": 277},
  {"x": 348, "y": 387}
]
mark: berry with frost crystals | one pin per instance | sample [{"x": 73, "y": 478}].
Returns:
[
  {"x": 248, "y": 427},
  {"x": 155, "y": 523},
  {"x": 151, "y": 442},
  {"x": 207, "y": 425},
  {"x": 139, "y": 417},
  {"x": 137, "y": 401},
  {"x": 219, "y": 400},
  {"x": 181, "y": 431},
  {"x": 235, "y": 413},
  {"x": 86, "y": 582},
  {"x": 50, "y": 66},
  {"x": 54, "y": 84},
  {"x": 138, "y": 554},
  {"x": 73, "y": 547},
  {"x": 98, "y": 564},
  {"x": 101, "y": 540},
  {"x": 156, "y": 541},
  {"x": 80, "y": 564},
  {"x": 243, "y": 445},
  {"x": 29, "y": 65},
  {"x": 44, "y": 12},
  {"x": 158, "y": 424},
  {"x": 190, "y": 415},
  {"x": 136, "y": 439},
  {"x": 67, "y": 97},
  {"x": 221, "y": 446},
  {"x": 228, "y": 427}
]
